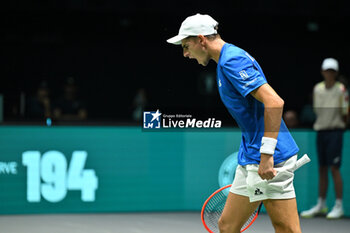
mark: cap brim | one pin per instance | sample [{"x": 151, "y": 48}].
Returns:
[
  {"x": 176, "y": 39},
  {"x": 330, "y": 68}
]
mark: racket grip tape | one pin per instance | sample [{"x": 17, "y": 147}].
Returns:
[
  {"x": 302, "y": 161},
  {"x": 299, "y": 163}
]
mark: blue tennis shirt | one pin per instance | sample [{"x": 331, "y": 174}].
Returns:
[{"x": 238, "y": 74}]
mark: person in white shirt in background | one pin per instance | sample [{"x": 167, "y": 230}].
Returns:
[{"x": 331, "y": 106}]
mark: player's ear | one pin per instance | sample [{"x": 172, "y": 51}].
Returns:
[{"x": 202, "y": 39}]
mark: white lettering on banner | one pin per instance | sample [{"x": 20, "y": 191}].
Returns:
[
  {"x": 8, "y": 168},
  {"x": 80, "y": 179},
  {"x": 53, "y": 172},
  {"x": 31, "y": 159},
  {"x": 51, "y": 168}
]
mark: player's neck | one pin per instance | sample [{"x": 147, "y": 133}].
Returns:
[{"x": 215, "y": 49}]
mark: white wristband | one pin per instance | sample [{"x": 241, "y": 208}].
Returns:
[{"x": 268, "y": 145}]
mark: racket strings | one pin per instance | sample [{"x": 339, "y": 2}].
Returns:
[
  {"x": 214, "y": 209},
  {"x": 250, "y": 220}
]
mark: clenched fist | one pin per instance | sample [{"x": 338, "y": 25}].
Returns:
[{"x": 266, "y": 170}]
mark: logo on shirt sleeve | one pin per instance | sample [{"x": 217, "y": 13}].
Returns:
[
  {"x": 243, "y": 74},
  {"x": 251, "y": 82}
]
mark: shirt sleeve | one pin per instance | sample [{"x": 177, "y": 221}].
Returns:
[
  {"x": 243, "y": 74},
  {"x": 315, "y": 100},
  {"x": 344, "y": 100}
]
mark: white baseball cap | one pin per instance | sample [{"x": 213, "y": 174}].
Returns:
[
  {"x": 193, "y": 26},
  {"x": 330, "y": 63}
]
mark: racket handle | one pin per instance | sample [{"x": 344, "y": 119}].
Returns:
[
  {"x": 299, "y": 163},
  {"x": 302, "y": 161}
]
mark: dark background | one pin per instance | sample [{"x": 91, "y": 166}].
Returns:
[{"x": 112, "y": 48}]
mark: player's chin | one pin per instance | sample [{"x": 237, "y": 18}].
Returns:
[{"x": 205, "y": 63}]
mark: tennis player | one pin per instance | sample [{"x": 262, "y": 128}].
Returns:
[{"x": 266, "y": 142}]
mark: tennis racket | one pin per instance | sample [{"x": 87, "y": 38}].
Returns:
[{"x": 214, "y": 205}]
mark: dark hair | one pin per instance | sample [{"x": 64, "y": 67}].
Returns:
[
  {"x": 210, "y": 37},
  {"x": 213, "y": 36}
]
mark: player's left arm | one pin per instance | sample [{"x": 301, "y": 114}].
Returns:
[
  {"x": 344, "y": 103},
  {"x": 272, "y": 119},
  {"x": 273, "y": 109}
]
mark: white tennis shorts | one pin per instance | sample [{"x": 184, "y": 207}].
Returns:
[{"x": 248, "y": 183}]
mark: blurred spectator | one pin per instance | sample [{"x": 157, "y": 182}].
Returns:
[
  {"x": 69, "y": 107},
  {"x": 344, "y": 80},
  {"x": 307, "y": 114},
  {"x": 38, "y": 106},
  {"x": 139, "y": 104},
  {"x": 290, "y": 117},
  {"x": 331, "y": 107}
]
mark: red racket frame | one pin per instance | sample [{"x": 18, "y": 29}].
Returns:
[{"x": 206, "y": 202}]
